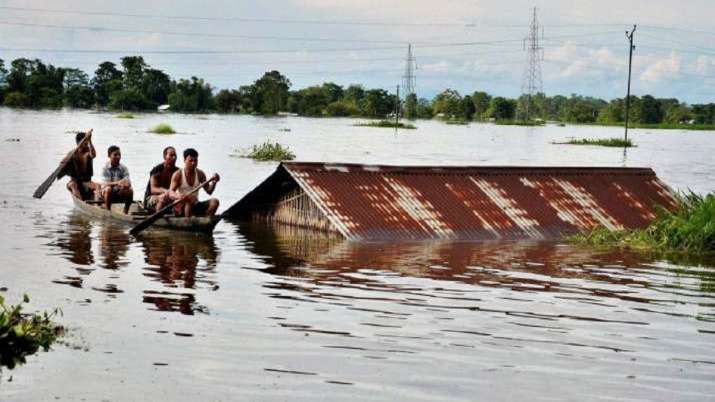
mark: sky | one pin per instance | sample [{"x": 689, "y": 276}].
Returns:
[{"x": 462, "y": 45}]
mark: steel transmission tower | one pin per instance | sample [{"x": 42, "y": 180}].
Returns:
[
  {"x": 531, "y": 82},
  {"x": 408, "y": 80}
]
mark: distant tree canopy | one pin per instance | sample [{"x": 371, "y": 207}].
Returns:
[{"x": 134, "y": 85}]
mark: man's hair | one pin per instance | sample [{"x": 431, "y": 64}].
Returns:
[
  {"x": 167, "y": 150},
  {"x": 190, "y": 152},
  {"x": 79, "y": 137},
  {"x": 112, "y": 149}
]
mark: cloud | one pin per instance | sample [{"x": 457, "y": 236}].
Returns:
[{"x": 662, "y": 70}]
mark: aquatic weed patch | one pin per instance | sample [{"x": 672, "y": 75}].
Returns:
[
  {"x": 602, "y": 142},
  {"x": 163, "y": 128},
  {"x": 268, "y": 152},
  {"x": 23, "y": 334},
  {"x": 387, "y": 124},
  {"x": 690, "y": 227},
  {"x": 125, "y": 116}
]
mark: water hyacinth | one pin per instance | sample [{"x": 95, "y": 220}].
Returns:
[
  {"x": 269, "y": 152},
  {"x": 23, "y": 334},
  {"x": 690, "y": 227}
]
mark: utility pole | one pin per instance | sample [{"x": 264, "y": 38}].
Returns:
[
  {"x": 629, "y": 36},
  {"x": 408, "y": 80},
  {"x": 397, "y": 108},
  {"x": 531, "y": 81}
]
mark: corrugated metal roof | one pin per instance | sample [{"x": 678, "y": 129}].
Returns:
[{"x": 370, "y": 202}]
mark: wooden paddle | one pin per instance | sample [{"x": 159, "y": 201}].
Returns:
[
  {"x": 42, "y": 189},
  {"x": 150, "y": 220}
]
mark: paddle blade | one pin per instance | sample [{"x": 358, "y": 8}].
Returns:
[{"x": 42, "y": 189}]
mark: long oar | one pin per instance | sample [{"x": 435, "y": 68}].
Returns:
[
  {"x": 42, "y": 189},
  {"x": 150, "y": 220}
]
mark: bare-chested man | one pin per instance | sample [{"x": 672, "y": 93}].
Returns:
[
  {"x": 80, "y": 169},
  {"x": 116, "y": 186},
  {"x": 157, "y": 194},
  {"x": 184, "y": 180}
]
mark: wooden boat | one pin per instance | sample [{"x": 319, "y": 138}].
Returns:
[{"x": 137, "y": 213}]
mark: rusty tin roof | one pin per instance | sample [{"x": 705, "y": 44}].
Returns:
[{"x": 371, "y": 202}]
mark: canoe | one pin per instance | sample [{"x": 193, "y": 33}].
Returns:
[{"x": 137, "y": 213}]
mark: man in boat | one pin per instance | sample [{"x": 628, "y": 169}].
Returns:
[
  {"x": 184, "y": 180},
  {"x": 117, "y": 186},
  {"x": 80, "y": 169},
  {"x": 157, "y": 194}
]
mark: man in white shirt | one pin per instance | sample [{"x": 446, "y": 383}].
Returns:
[{"x": 117, "y": 186}]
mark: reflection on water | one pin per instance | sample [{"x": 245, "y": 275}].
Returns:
[
  {"x": 537, "y": 285},
  {"x": 174, "y": 260}
]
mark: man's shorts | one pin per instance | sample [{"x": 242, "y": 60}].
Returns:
[
  {"x": 153, "y": 200},
  {"x": 199, "y": 208},
  {"x": 85, "y": 188},
  {"x": 114, "y": 195}
]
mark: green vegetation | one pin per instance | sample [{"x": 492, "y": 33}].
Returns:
[
  {"x": 269, "y": 152},
  {"x": 133, "y": 85},
  {"x": 603, "y": 142},
  {"x": 529, "y": 123},
  {"x": 690, "y": 227},
  {"x": 163, "y": 128},
  {"x": 457, "y": 122},
  {"x": 22, "y": 335},
  {"x": 125, "y": 116},
  {"x": 387, "y": 124}
]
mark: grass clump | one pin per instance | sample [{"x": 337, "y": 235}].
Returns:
[
  {"x": 387, "y": 124},
  {"x": 125, "y": 116},
  {"x": 269, "y": 152},
  {"x": 23, "y": 334},
  {"x": 163, "y": 128},
  {"x": 457, "y": 122},
  {"x": 602, "y": 142},
  {"x": 690, "y": 228}
]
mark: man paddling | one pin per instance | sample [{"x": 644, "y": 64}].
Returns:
[
  {"x": 117, "y": 186},
  {"x": 80, "y": 169},
  {"x": 184, "y": 180},
  {"x": 157, "y": 194}
]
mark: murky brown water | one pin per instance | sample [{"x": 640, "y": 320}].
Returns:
[{"x": 257, "y": 313}]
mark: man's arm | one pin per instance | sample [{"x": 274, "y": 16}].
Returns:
[
  {"x": 208, "y": 187},
  {"x": 155, "y": 188},
  {"x": 175, "y": 182}
]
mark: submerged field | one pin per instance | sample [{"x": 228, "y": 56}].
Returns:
[{"x": 272, "y": 314}]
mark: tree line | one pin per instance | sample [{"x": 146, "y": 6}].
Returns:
[{"x": 132, "y": 85}]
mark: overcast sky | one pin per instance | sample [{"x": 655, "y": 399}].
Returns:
[{"x": 464, "y": 45}]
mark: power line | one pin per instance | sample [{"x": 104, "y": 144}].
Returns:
[
  {"x": 531, "y": 82},
  {"x": 241, "y": 19}
]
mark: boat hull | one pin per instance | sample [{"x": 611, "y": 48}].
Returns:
[{"x": 137, "y": 213}]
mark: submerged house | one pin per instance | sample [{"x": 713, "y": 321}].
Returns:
[{"x": 371, "y": 202}]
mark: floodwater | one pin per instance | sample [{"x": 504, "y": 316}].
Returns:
[{"x": 273, "y": 313}]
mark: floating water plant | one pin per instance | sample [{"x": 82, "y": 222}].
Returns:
[
  {"x": 23, "y": 334},
  {"x": 269, "y": 152},
  {"x": 690, "y": 227},
  {"x": 163, "y": 128},
  {"x": 125, "y": 116},
  {"x": 387, "y": 124},
  {"x": 603, "y": 142}
]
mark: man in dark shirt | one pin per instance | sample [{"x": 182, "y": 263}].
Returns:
[
  {"x": 156, "y": 195},
  {"x": 80, "y": 169}
]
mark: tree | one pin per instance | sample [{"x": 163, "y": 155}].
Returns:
[
  {"x": 448, "y": 104},
  {"x": 377, "y": 103},
  {"x": 501, "y": 108},
  {"x": 342, "y": 108},
  {"x": 134, "y": 67},
  {"x": 481, "y": 103},
  {"x": 107, "y": 79},
  {"x": 411, "y": 106},
  {"x": 649, "y": 110},
  {"x": 424, "y": 109},
  {"x": 354, "y": 93},
  {"x": 334, "y": 92},
  {"x": 155, "y": 87},
  {"x": 77, "y": 91},
  {"x": 3, "y": 80},
  {"x": 270, "y": 93},
  {"x": 193, "y": 95},
  {"x": 228, "y": 101},
  {"x": 468, "y": 108}
]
